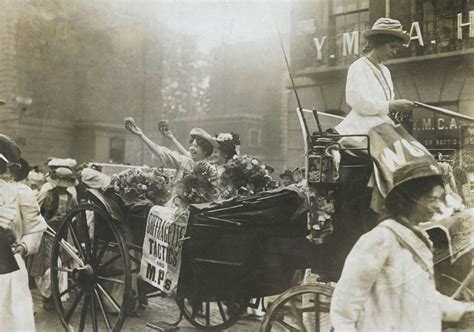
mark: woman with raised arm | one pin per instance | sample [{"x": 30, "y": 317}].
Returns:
[{"x": 200, "y": 149}]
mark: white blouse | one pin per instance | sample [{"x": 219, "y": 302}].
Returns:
[{"x": 369, "y": 89}]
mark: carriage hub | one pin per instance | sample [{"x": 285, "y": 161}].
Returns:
[{"x": 84, "y": 276}]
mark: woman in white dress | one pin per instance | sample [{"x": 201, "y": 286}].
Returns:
[
  {"x": 369, "y": 86},
  {"x": 387, "y": 283},
  {"x": 19, "y": 216}
]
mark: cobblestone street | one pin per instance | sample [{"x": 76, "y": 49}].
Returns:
[{"x": 159, "y": 309}]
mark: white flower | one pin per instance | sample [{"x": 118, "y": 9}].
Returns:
[
  {"x": 224, "y": 137},
  {"x": 255, "y": 162}
]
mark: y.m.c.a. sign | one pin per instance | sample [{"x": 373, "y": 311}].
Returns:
[
  {"x": 435, "y": 131},
  {"x": 350, "y": 40}
]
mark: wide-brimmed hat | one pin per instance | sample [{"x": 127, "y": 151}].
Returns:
[
  {"x": 201, "y": 133},
  {"x": 387, "y": 26},
  {"x": 62, "y": 162},
  {"x": 62, "y": 177},
  {"x": 414, "y": 170},
  {"x": 287, "y": 173},
  {"x": 10, "y": 153},
  {"x": 94, "y": 179}
]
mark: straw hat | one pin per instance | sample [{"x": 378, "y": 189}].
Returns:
[
  {"x": 201, "y": 133},
  {"x": 62, "y": 177},
  {"x": 62, "y": 162},
  {"x": 387, "y": 26},
  {"x": 414, "y": 170}
]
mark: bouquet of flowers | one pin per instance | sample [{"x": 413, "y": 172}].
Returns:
[
  {"x": 142, "y": 184},
  {"x": 199, "y": 185},
  {"x": 321, "y": 216},
  {"x": 246, "y": 175}
]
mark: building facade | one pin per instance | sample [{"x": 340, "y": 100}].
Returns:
[
  {"x": 436, "y": 68},
  {"x": 83, "y": 67}
]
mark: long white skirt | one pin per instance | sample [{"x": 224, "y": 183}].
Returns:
[{"x": 16, "y": 303}]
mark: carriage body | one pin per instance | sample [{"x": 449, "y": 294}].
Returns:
[{"x": 233, "y": 250}]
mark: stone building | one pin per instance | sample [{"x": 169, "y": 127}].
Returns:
[
  {"x": 436, "y": 68},
  {"x": 247, "y": 96},
  {"x": 85, "y": 66}
]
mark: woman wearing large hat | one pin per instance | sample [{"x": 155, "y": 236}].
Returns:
[
  {"x": 387, "y": 283},
  {"x": 201, "y": 147},
  {"x": 20, "y": 219},
  {"x": 369, "y": 86}
]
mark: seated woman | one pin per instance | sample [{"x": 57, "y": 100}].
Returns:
[
  {"x": 200, "y": 149},
  {"x": 369, "y": 86}
]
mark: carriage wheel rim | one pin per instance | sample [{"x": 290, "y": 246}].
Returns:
[
  {"x": 272, "y": 317},
  {"x": 87, "y": 278},
  {"x": 204, "y": 322}
]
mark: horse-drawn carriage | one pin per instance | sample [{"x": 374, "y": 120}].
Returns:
[{"x": 232, "y": 250}]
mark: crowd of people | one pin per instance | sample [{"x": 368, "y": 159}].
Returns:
[{"x": 387, "y": 282}]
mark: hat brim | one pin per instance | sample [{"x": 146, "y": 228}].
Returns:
[
  {"x": 400, "y": 34},
  {"x": 205, "y": 136},
  {"x": 62, "y": 183}
]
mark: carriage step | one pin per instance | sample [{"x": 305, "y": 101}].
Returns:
[{"x": 162, "y": 326}]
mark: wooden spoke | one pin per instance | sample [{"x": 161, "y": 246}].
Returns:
[
  {"x": 102, "y": 309},
  {"x": 117, "y": 281},
  {"x": 208, "y": 314},
  {"x": 110, "y": 261},
  {"x": 297, "y": 315},
  {"x": 70, "y": 288},
  {"x": 286, "y": 325},
  {"x": 73, "y": 306},
  {"x": 84, "y": 312},
  {"x": 101, "y": 253},
  {"x": 317, "y": 320},
  {"x": 221, "y": 310},
  {"x": 85, "y": 232},
  {"x": 71, "y": 251},
  {"x": 76, "y": 241},
  {"x": 109, "y": 297},
  {"x": 95, "y": 327}
]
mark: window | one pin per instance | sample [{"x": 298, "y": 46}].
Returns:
[
  {"x": 348, "y": 16},
  {"x": 117, "y": 150},
  {"x": 438, "y": 20},
  {"x": 344, "y": 6}
]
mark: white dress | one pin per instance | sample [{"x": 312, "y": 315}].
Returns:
[
  {"x": 369, "y": 89},
  {"x": 16, "y": 304},
  {"x": 387, "y": 284}
]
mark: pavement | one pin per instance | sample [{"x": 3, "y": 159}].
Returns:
[{"x": 159, "y": 309}]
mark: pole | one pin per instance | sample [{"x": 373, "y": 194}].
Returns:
[{"x": 444, "y": 111}]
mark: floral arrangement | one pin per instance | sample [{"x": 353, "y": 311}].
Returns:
[
  {"x": 246, "y": 176},
  {"x": 321, "y": 216},
  {"x": 142, "y": 184},
  {"x": 199, "y": 185}
]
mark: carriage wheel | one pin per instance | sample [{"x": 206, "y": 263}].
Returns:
[
  {"x": 96, "y": 266},
  {"x": 212, "y": 315},
  {"x": 301, "y": 308}
]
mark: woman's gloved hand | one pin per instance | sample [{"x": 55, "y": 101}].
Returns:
[{"x": 401, "y": 105}]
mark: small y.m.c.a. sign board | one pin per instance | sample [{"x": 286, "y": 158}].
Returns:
[
  {"x": 162, "y": 247},
  {"x": 436, "y": 131}
]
